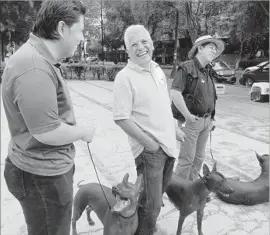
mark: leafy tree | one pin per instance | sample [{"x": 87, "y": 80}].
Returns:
[{"x": 16, "y": 19}]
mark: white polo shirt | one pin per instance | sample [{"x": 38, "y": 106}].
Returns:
[{"x": 143, "y": 97}]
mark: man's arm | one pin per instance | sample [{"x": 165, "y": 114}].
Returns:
[
  {"x": 131, "y": 129},
  {"x": 180, "y": 103},
  {"x": 122, "y": 109},
  {"x": 36, "y": 97},
  {"x": 178, "y": 86},
  {"x": 66, "y": 134}
]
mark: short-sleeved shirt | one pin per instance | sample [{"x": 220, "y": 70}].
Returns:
[
  {"x": 36, "y": 100},
  {"x": 192, "y": 78},
  {"x": 143, "y": 97}
]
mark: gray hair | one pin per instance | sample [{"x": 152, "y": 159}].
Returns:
[{"x": 133, "y": 29}]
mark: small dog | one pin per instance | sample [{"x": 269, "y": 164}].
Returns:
[
  {"x": 250, "y": 193},
  {"x": 122, "y": 218},
  {"x": 190, "y": 196}
]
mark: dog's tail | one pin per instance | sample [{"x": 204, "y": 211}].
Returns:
[{"x": 79, "y": 185}]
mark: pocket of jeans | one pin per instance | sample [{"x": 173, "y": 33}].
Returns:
[
  {"x": 56, "y": 188},
  {"x": 151, "y": 159},
  {"x": 14, "y": 180},
  {"x": 64, "y": 190}
]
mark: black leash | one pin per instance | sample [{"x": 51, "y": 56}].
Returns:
[
  {"x": 97, "y": 176},
  {"x": 213, "y": 128}
]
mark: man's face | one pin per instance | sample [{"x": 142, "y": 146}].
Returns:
[
  {"x": 140, "y": 48},
  {"x": 209, "y": 51},
  {"x": 72, "y": 37}
]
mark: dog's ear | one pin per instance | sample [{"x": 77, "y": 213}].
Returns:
[
  {"x": 215, "y": 166},
  {"x": 139, "y": 182},
  {"x": 206, "y": 170},
  {"x": 259, "y": 157},
  {"x": 125, "y": 179}
]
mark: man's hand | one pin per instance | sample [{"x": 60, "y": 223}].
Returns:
[
  {"x": 213, "y": 125},
  {"x": 191, "y": 118},
  {"x": 87, "y": 133},
  {"x": 153, "y": 147},
  {"x": 180, "y": 135}
]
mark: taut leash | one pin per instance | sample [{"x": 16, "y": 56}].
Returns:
[{"x": 97, "y": 176}]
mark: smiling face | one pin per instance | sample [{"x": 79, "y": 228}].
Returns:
[
  {"x": 71, "y": 37},
  {"x": 208, "y": 51},
  {"x": 140, "y": 47}
]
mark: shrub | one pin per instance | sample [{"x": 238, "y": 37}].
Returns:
[{"x": 109, "y": 71}]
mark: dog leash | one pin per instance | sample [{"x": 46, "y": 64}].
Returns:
[
  {"x": 213, "y": 128},
  {"x": 97, "y": 176}
]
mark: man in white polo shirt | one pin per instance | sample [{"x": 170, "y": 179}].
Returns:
[{"x": 141, "y": 107}]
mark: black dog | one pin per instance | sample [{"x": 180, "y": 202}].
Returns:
[
  {"x": 250, "y": 193},
  {"x": 190, "y": 196}
]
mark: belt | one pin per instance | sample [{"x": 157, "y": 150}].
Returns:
[{"x": 205, "y": 115}]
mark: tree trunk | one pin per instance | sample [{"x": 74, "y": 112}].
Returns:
[
  {"x": 163, "y": 59},
  {"x": 191, "y": 28},
  {"x": 175, "y": 40},
  {"x": 1, "y": 49},
  {"x": 239, "y": 55}
]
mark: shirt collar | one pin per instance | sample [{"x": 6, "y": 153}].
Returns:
[
  {"x": 198, "y": 63},
  {"x": 42, "y": 49},
  {"x": 139, "y": 68}
]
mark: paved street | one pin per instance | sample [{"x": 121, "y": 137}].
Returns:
[{"x": 242, "y": 128}]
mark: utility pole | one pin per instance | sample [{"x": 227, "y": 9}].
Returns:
[
  {"x": 176, "y": 40},
  {"x": 102, "y": 43}
]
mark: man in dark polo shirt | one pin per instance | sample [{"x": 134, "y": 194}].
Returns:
[
  {"x": 40, "y": 163},
  {"x": 194, "y": 97}
]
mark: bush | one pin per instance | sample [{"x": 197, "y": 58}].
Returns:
[{"x": 109, "y": 70}]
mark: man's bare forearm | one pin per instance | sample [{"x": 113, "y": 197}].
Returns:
[
  {"x": 64, "y": 134},
  {"x": 179, "y": 102},
  {"x": 132, "y": 130}
]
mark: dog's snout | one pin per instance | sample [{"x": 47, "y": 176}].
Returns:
[{"x": 114, "y": 189}]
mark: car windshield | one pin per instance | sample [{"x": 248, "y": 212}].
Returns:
[{"x": 220, "y": 65}]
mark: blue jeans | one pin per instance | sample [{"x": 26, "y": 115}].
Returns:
[
  {"x": 192, "y": 150},
  {"x": 46, "y": 201},
  {"x": 157, "y": 169}
]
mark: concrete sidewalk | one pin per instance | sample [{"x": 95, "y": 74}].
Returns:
[{"x": 111, "y": 153}]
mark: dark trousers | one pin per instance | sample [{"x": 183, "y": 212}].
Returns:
[
  {"x": 156, "y": 169},
  {"x": 46, "y": 200}
]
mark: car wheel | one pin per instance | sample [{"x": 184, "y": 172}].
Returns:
[{"x": 248, "y": 82}]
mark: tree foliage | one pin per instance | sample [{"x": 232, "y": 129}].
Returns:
[{"x": 16, "y": 20}]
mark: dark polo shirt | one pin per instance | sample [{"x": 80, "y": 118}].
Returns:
[
  {"x": 192, "y": 78},
  {"x": 36, "y": 100}
]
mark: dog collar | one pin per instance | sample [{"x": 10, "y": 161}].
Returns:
[
  {"x": 127, "y": 217},
  {"x": 204, "y": 182}
]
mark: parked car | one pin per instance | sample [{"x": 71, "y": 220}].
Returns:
[
  {"x": 224, "y": 71},
  {"x": 259, "y": 91},
  {"x": 253, "y": 68},
  {"x": 260, "y": 74},
  {"x": 92, "y": 59}
]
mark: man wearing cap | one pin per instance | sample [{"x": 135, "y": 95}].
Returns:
[{"x": 193, "y": 103}]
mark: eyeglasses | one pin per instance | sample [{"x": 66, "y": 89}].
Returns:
[{"x": 213, "y": 48}]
